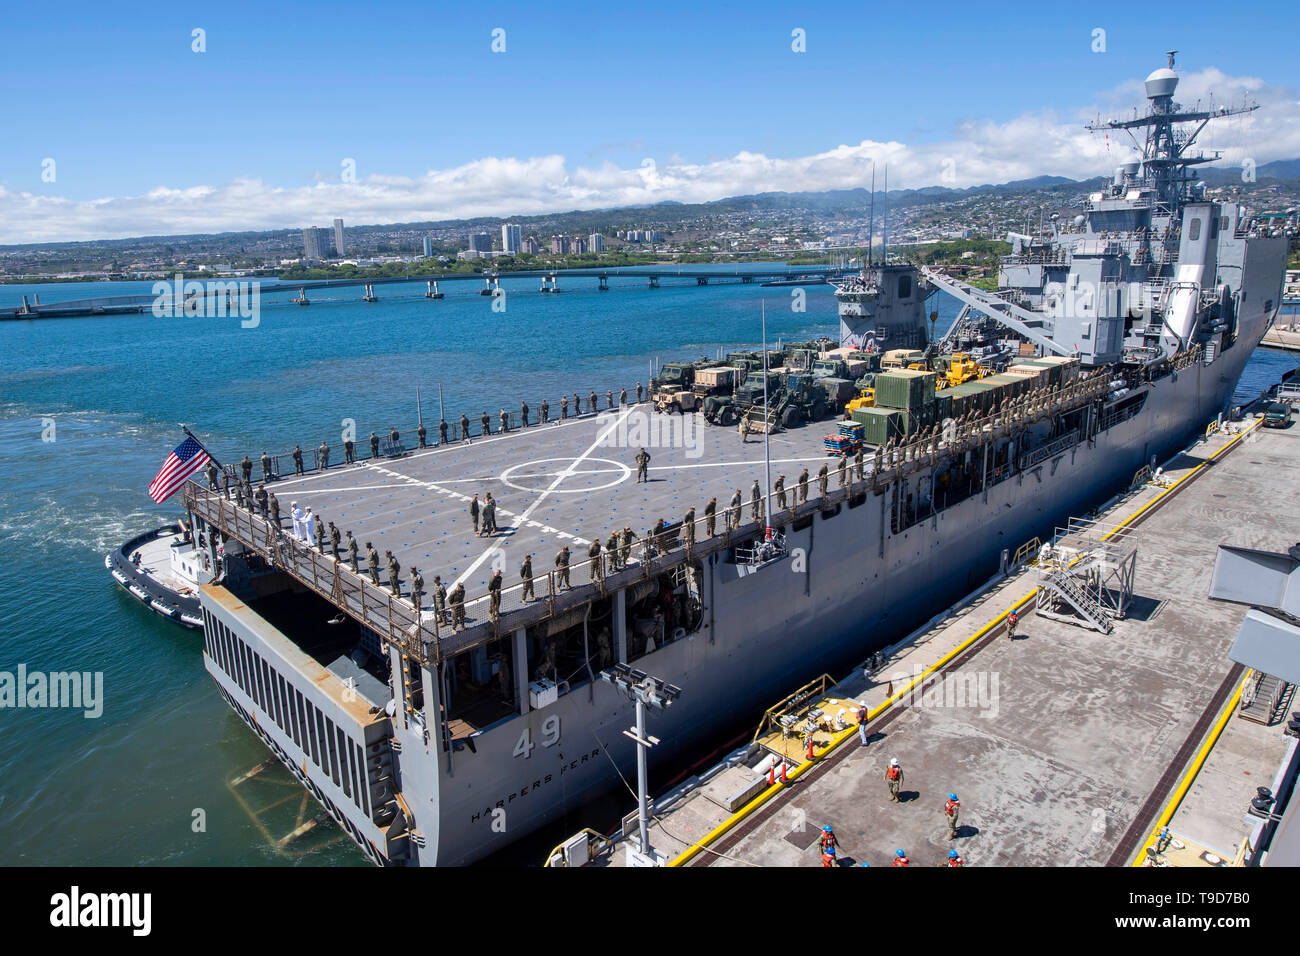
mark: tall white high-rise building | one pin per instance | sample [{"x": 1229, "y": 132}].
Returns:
[
  {"x": 338, "y": 237},
  {"x": 428, "y": 247},
  {"x": 511, "y": 240},
  {"x": 596, "y": 242}
]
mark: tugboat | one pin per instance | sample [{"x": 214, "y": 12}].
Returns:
[{"x": 163, "y": 570}]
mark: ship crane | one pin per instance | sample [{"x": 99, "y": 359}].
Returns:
[{"x": 1017, "y": 318}]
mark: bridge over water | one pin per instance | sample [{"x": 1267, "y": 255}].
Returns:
[{"x": 197, "y": 294}]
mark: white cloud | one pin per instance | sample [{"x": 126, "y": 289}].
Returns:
[{"x": 978, "y": 151}]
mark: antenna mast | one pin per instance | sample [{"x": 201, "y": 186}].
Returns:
[
  {"x": 871, "y": 217},
  {"x": 884, "y": 229}
]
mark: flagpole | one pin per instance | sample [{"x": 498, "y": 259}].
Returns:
[
  {"x": 201, "y": 445},
  {"x": 419, "y": 408}
]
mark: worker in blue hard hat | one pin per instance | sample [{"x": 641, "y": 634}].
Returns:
[
  {"x": 954, "y": 858},
  {"x": 827, "y": 838},
  {"x": 828, "y": 855},
  {"x": 900, "y": 858},
  {"x": 950, "y": 810}
]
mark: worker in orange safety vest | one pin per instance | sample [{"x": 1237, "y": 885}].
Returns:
[{"x": 894, "y": 777}]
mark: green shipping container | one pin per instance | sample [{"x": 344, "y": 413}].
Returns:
[
  {"x": 967, "y": 398},
  {"x": 904, "y": 389},
  {"x": 1011, "y": 385},
  {"x": 1053, "y": 369},
  {"x": 879, "y": 424},
  {"x": 911, "y": 422}
]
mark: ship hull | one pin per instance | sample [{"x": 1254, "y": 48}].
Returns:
[
  {"x": 849, "y": 584},
  {"x": 860, "y": 588}
]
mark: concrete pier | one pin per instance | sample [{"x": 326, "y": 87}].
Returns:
[{"x": 1066, "y": 744}]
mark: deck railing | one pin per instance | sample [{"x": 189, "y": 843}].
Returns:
[{"x": 427, "y": 635}]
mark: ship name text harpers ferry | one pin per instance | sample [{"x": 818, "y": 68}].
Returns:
[{"x": 536, "y": 785}]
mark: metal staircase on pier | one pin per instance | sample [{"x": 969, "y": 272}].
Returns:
[
  {"x": 1066, "y": 587},
  {"x": 1268, "y": 701}
]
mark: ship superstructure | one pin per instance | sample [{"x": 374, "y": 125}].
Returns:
[{"x": 435, "y": 742}]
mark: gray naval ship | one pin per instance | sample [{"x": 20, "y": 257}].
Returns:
[{"x": 436, "y": 741}]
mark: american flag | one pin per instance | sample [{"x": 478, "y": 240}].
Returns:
[{"x": 188, "y": 458}]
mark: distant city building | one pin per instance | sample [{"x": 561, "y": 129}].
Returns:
[
  {"x": 428, "y": 247},
  {"x": 315, "y": 243},
  {"x": 596, "y": 242},
  {"x": 510, "y": 239},
  {"x": 530, "y": 246},
  {"x": 560, "y": 245},
  {"x": 480, "y": 242},
  {"x": 579, "y": 246},
  {"x": 642, "y": 235},
  {"x": 338, "y": 237}
]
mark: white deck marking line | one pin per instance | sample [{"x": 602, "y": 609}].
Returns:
[
  {"x": 466, "y": 498},
  {"x": 496, "y": 545}
]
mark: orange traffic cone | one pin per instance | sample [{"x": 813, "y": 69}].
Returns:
[{"x": 810, "y": 747}]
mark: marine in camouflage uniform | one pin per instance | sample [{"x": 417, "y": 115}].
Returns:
[
  {"x": 372, "y": 559},
  {"x": 394, "y": 574},
  {"x": 526, "y": 577},
  {"x": 457, "y": 603},
  {"x": 439, "y": 599}
]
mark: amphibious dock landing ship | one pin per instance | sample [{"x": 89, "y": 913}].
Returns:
[{"x": 433, "y": 743}]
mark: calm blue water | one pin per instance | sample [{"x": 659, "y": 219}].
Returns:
[{"x": 124, "y": 789}]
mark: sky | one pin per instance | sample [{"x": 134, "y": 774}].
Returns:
[{"x": 122, "y": 121}]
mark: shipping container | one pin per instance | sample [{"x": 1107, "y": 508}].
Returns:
[
  {"x": 1040, "y": 375},
  {"x": 904, "y": 388},
  {"x": 1010, "y": 386},
  {"x": 1068, "y": 364},
  {"x": 879, "y": 425}
]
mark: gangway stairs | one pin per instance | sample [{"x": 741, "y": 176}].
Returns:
[
  {"x": 1267, "y": 701},
  {"x": 1065, "y": 586}
]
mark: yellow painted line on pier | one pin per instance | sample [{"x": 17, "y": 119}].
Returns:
[
  {"x": 728, "y": 824},
  {"x": 1177, "y": 798}
]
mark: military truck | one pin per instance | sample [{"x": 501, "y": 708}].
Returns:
[
  {"x": 683, "y": 386},
  {"x": 671, "y": 388},
  {"x": 723, "y": 409}
]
